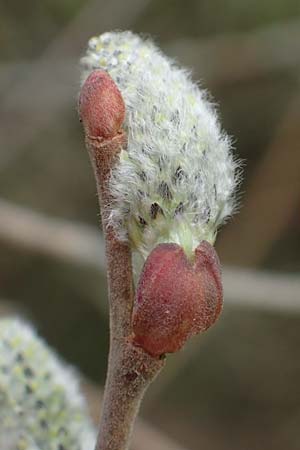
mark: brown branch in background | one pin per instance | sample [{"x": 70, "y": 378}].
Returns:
[
  {"x": 264, "y": 290},
  {"x": 273, "y": 195},
  {"x": 56, "y": 238},
  {"x": 130, "y": 368},
  {"x": 83, "y": 246}
]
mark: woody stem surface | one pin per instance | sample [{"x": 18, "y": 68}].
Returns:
[{"x": 130, "y": 369}]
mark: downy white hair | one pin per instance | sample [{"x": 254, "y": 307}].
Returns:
[{"x": 176, "y": 179}]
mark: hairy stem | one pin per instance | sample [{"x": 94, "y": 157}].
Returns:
[{"x": 130, "y": 369}]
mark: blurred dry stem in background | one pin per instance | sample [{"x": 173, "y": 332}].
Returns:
[{"x": 244, "y": 374}]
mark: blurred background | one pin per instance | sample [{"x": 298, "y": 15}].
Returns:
[{"x": 237, "y": 386}]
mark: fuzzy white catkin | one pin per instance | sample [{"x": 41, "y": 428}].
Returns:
[
  {"x": 175, "y": 182},
  {"x": 41, "y": 407}
]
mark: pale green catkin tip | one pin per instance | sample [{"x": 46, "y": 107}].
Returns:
[
  {"x": 176, "y": 180},
  {"x": 41, "y": 407}
]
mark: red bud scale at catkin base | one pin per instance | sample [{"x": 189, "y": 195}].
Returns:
[
  {"x": 176, "y": 298},
  {"x": 101, "y": 106}
]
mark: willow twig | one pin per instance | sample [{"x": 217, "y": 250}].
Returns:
[{"x": 130, "y": 369}]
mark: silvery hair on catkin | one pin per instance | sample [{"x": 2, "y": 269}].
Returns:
[{"x": 175, "y": 181}]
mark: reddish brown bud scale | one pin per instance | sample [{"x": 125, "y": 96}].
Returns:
[
  {"x": 176, "y": 298},
  {"x": 101, "y": 106}
]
